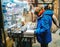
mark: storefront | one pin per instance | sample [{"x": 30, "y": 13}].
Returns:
[{"x": 17, "y": 18}]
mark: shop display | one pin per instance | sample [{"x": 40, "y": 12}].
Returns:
[{"x": 13, "y": 12}]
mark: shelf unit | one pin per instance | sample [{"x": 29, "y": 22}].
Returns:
[
  {"x": 11, "y": 17},
  {"x": 37, "y": 2}
]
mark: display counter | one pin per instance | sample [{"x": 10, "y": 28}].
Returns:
[{"x": 23, "y": 39}]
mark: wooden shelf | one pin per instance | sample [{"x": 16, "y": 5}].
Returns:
[{"x": 43, "y": 3}]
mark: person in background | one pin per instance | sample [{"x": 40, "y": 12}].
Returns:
[
  {"x": 44, "y": 23},
  {"x": 55, "y": 22},
  {"x": 54, "y": 18}
]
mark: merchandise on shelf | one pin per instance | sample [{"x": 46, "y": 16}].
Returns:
[{"x": 13, "y": 12}]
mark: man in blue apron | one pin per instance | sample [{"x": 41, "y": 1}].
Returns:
[{"x": 44, "y": 23}]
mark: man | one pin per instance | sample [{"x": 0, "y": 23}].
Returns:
[{"x": 44, "y": 23}]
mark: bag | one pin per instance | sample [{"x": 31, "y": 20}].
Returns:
[{"x": 54, "y": 28}]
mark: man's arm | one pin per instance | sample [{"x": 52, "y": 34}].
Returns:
[
  {"x": 43, "y": 27},
  {"x": 55, "y": 20}
]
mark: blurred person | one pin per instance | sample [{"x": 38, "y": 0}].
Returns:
[
  {"x": 44, "y": 23},
  {"x": 54, "y": 18},
  {"x": 55, "y": 22},
  {"x": 28, "y": 17},
  {"x": 32, "y": 9}
]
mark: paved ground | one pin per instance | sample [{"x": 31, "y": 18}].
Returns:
[{"x": 55, "y": 40}]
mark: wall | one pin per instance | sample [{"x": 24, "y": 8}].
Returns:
[{"x": 56, "y": 6}]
